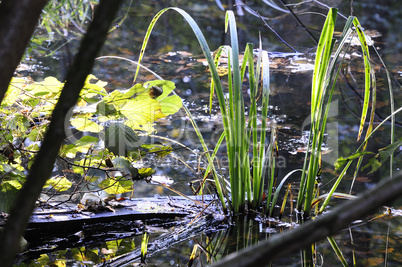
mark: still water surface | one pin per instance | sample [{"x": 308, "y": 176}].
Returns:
[{"x": 174, "y": 54}]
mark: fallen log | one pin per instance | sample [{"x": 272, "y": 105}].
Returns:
[{"x": 56, "y": 227}]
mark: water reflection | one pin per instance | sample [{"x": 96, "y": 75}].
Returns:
[{"x": 174, "y": 53}]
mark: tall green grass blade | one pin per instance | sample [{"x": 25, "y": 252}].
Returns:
[
  {"x": 207, "y": 53},
  {"x": 367, "y": 71},
  {"x": 237, "y": 175},
  {"x": 264, "y": 115},
  {"x": 236, "y": 132},
  {"x": 322, "y": 60},
  {"x": 212, "y": 86},
  {"x": 338, "y": 252},
  {"x": 270, "y": 167}
]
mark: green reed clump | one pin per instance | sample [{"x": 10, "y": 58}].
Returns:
[
  {"x": 328, "y": 61},
  {"x": 249, "y": 151},
  {"x": 241, "y": 136},
  {"x": 325, "y": 74}
]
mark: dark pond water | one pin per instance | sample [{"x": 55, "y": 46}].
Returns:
[{"x": 289, "y": 110}]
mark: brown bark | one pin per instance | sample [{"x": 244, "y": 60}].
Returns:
[
  {"x": 45, "y": 159},
  {"x": 18, "y": 19},
  {"x": 326, "y": 225}
]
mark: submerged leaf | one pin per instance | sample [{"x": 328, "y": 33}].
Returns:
[
  {"x": 383, "y": 155},
  {"x": 159, "y": 150}
]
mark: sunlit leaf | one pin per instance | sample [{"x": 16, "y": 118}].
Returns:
[
  {"x": 50, "y": 87},
  {"x": 146, "y": 172},
  {"x": 112, "y": 186},
  {"x": 59, "y": 183},
  {"x": 171, "y": 105},
  {"x": 141, "y": 114},
  {"x": 118, "y": 97},
  {"x": 85, "y": 142},
  {"x": 84, "y": 124},
  {"x": 91, "y": 92},
  {"x": 13, "y": 91},
  {"x": 77, "y": 167},
  {"x": 68, "y": 151},
  {"x": 37, "y": 133}
]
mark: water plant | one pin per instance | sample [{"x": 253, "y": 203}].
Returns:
[
  {"x": 239, "y": 134},
  {"x": 246, "y": 142},
  {"x": 325, "y": 75}
]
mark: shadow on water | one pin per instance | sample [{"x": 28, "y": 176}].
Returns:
[{"x": 174, "y": 53}]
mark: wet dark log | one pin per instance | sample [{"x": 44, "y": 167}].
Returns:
[
  {"x": 18, "y": 19},
  {"x": 293, "y": 240},
  {"x": 57, "y": 227},
  {"x": 45, "y": 159}
]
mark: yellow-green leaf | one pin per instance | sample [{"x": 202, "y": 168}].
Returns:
[
  {"x": 140, "y": 114},
  {"x": 59, "y": 183},
  {"x": 84, "y": 124},
  {"x": 112, "y": 186},
  {"x": 171, "y": 105}
]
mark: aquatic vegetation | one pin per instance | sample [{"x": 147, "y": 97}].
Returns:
[
  {"x": 251, "y": 145},
  {"x": 238, "y": 133},
  {"x": 247, "y": 146}
]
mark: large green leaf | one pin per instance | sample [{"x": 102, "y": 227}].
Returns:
[
  {"x": 120, "y": 138},
  {"x": 141, "y": 114},
  {"x": 171, "y": 105}
]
